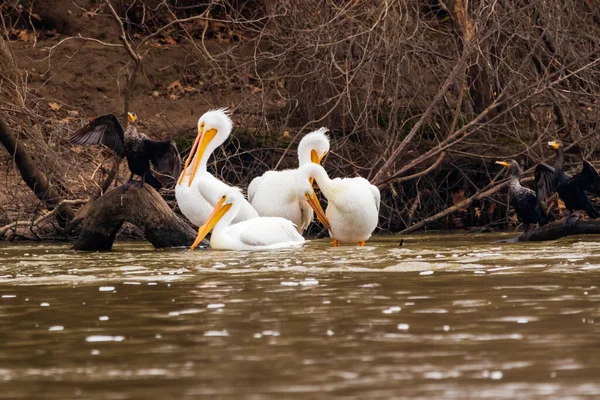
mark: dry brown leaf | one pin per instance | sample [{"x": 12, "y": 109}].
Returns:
[
  {"x": 477, "y": 212},
  {"x": 170, "y": 40},
  {"x": 175, "y": 86},
  {"x": 73, "y": 113},
  {"x": 285, "y": 134},
  {"x": 54, "y": 106},
  {"x": 23, "y": 36}
]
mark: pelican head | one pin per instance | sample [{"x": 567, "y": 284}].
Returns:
[
  {"x": 313, "y": 147},
  {"x": 230, "y": 197},
  {"x": 555, "y": 144},
  {"x": 132, "y": 117},
  {"x": 214, "y": 127},
  {"x": 305, "y": 190}
]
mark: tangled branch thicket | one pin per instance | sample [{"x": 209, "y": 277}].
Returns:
[{"x": 421, "y": 96}]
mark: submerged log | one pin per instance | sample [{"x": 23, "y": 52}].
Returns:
[
  {"x": 142, "y": 207},
  {"x": 558, "y": 229}
]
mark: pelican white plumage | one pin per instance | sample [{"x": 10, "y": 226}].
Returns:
[
  {"x": 214, "y": 127},
  {"x": 261, "y": 233},
  {"x": 352, "y": 204},
  {"x": 274, "y": 194}
]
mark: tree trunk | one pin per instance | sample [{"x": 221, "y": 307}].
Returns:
[
  {"x": 142, "y": 207},
  {"x": 558, "y": 229},
  {"x": 33, "y": 177}
]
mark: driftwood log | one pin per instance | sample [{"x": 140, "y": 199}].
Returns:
[
  {"x": 558, "y": 229},
  {"x": 143, "y": 207}
]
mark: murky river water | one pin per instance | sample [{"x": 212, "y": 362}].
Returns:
[{"x": 442, "y": 317}]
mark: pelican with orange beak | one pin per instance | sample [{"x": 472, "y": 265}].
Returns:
[
  {"x": 261, "y": 233},
  {"x": 352, "y": 204},
  {"x": 197, "y": 190},
  {"x": 274, "y": 194}
]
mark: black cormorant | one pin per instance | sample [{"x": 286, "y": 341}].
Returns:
[
  {"x": 571, "y": 190},
  {"x": 523, "y": 199},
  {"x": 138, "y": 148}
]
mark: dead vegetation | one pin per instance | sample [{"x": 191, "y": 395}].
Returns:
[{"x": 421, "y": 97}]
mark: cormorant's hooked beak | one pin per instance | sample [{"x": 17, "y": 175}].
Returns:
[
  {"x": 554, "y": 144},
  {"x": 214, "y": 217},
  {"x": 200, "y": 144},
  {"x": 314, "y": 203},
  {"x": 503, "y": 163}
]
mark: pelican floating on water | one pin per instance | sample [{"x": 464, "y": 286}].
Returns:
[
  {"x": 274, "y": 194},
  {"x": 197, "y": 191},
  {"x": 261, "y": 233},
  {"x": 352, "y": 204}
]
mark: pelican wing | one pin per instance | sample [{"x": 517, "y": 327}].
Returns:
[
  {"x": 376, "y": 196},
  {"x": 164, "y": 156},
  {"x": 253, "y": 188},
  {"x": 544, "y": 181},
  {"x": 588, "y": 178},
  {"x": 105, "y": 130},
  {"x": 268, "y": 231}
]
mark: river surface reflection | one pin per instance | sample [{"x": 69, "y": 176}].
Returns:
[{"x": 442, "y": 317}]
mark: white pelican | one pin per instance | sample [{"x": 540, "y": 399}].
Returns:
[
  {"x": 274, "y": 194},
  {"x": 352, "y": 204},
  {"x": 214, "y": 128},
  {"x": 259, "y": 233}
]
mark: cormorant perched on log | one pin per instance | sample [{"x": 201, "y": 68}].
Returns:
[
  {"x": 138, "y": 148},
  {"x": 523, "y": 199},
  {"x": 571, "y": 190}
]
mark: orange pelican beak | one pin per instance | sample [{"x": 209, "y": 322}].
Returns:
[
  {"x": 315, "y": 158},
  {"x": 202, "y": 141},
  {"x": 314, "y": 203},
  {"x": 503, "y": 163},
  {"x": 189, "y": 157},
  {"x": 214, "y": 217}
]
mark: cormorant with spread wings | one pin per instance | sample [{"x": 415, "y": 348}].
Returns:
[
  {"x": 138, "y": 148},
  {"x": 571, "y": 189}
]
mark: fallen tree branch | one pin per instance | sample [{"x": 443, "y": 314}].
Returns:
[
  {"x": 558, "y": 229},
  {"x": 416, "y": 175},
  {"x": 392, "y": 159},
  {"x": 43, "y": 218},
  {"x": 486, "y": 191}
]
